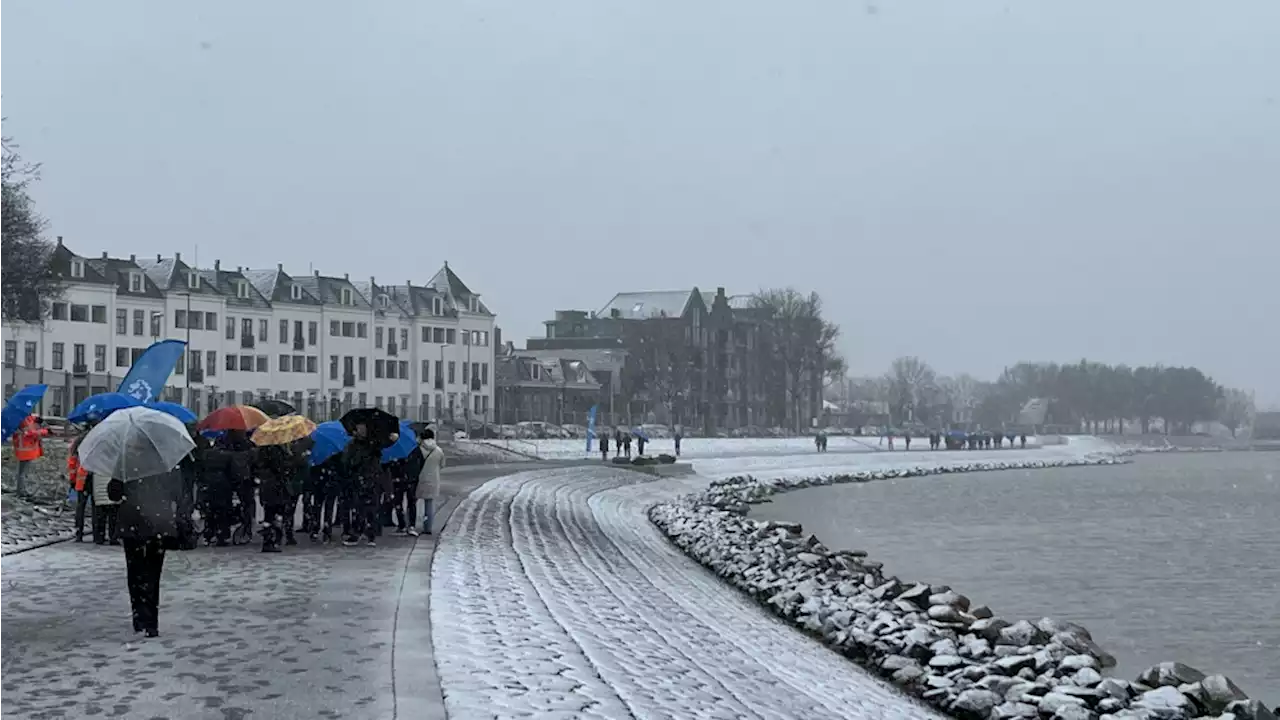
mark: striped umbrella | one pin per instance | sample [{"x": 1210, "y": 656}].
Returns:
[
  {"x": 282, "y": 430},
  {"x": 233, "y": 417}
]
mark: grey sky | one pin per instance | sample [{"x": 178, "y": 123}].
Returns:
[{"x": 1080, "y": 178}]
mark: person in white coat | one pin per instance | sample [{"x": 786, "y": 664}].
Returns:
[{"x": 429, "y": 477}]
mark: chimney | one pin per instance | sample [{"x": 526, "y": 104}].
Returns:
[
  {"x": 104, "y": 254},
  {"x": 408, "y": 284},
  {"x": 239, "y": 268},
  {"x": 59, "y": 241},
  {"x": 177, "y": 257},
  {"x": 372, "y": 283},
  {"x": 133, "y": 258},
  {"x": 279, "y": 267},
  {"x": 719, "y": 292},
  {"x": 346, "y": 276},
  {"x": 217, "y": 265},
  {"x": 317, "y": 272},
  {"x": 157, "y": 256}
]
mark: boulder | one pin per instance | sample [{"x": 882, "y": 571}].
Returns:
[
  {"x": 946, "y": 614},
  {"x": 1012, "y": 664},
  {"x": 1087, "y": 677},
  {"x": 908, "y": 675},
  {"x": 1165, "y": 700},
  {"x": 1021, "y": 633},
  {"x": 1072, "y": 663},
  {"x": 892, "y": 663},
  {"x": 917, "y": 595},
  {"x": 946, "y": 662},
  {"x": 988, "y": 628},
  {"x": 1169, "y": 674},
  {"x": 950, "y": 597},
  {"x": 982, "y": 612},
  {"x": 1014, "y": 711},
  {"x": 1214, "y": 693},
  {"x": 1114, "y": 688},
  {"x": 975, "y": 703},
  {"x": 1250, "y": 710},
  {"x": 1074, "y": 712},
  {"x": 1051, "y": 703}
]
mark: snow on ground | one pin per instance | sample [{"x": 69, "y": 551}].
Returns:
[{"x": 694, "y": 448}]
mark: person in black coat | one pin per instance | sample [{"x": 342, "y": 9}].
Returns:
[
  {"x": 362, "y": 461},
  {"x": 148, "y": 522}
]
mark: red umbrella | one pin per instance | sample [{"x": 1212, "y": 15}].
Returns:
[{"x": 233, "y": 417}]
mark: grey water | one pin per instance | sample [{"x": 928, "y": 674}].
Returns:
[{"x": 1171, "y": 557}]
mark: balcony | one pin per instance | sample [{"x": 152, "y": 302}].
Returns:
[
  {"x": 79, "y": 369},
  {"x": 439, "y": 383},
  {"x": 348, "y": 380},
  {"x": 392, "y": 350},
  {"x": 195, "y": 375},
  {"x": 246, "y": 341},
  {"x": 298, "y": 344}
]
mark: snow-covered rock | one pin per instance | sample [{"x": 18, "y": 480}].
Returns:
[{"x": 924, "y": 638}]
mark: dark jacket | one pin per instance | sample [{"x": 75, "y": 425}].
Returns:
[
  {"x": 149, "y": 507},
  {"x": 279, "y": 469},
  {"x": 362, "y": 462}
]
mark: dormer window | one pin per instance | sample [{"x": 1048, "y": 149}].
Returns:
[
  {"x": 77, "y": 268},
  {"x": 534, "y": 371},
  {"x": 295, "y": 291},
  {"x": 474, "y": 303},
  {"x": 135, "y": 282},
  {"x": 348, "y": 298},
  {"x": 242, "y": 289},
  {"x": 437, "y": 306},
  {"x": 193, "y": 279},
  {"x": 383, "y": 301}
]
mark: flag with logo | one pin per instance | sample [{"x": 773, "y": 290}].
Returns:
[
  {"x": 591, "y": 426},
  {"x": 151, "y": 370}
]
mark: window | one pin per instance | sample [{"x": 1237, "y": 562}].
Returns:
[
  {"x": 379, "y": 369},
  {"x": 77, "y": 268},
  {"x": 11, "y": 352},
  {"x": 295, "y": 291},
  {"x": 196, "y": 320},
  {"x": 59, "y": 311},
  {"x": 377, "y": 337},
  {"x": 284, "y": 332},
  {"x": 156, "y": 317},
  {"x": 231, "y": 364},
  {"x": 364, "y": 368},
  {"x": 134, "y": 354},
  {"x": 312, "y": 362},
  {"x": 230, "y": 398},
  {"x": 334, "y": 328},
  {"x": 348, "y": 329},
  {"x": 180, "y": 367},
  {"x": 246, "y": 363},
  {"x": 242, "y": 289},
  {"x": 426, "y": 334},
  {"x": 437, "y": 336},
  {"x": 193, "y": 279},
  {"x": 451, "y": 336},
  {"x": 482, "y": 338},
  {"x": 452, "y": 372},
  {"x": 362, "y": 330},
  {"x": 348, "y": 297},
  {"x": 99, "y": 358},
  {"x": 299, "y": 363},
  {"x": 263, "y": 328},
  {"x": 79, "y": 313},
  {"x": 77, "y": 357},
  {"x": 437, "y": 306},
  {"x": 297, "y": 334},
  {"x": 404, "y": 338},
  {"x": 195, "y": 360},
  {"x": 139, "y": 318},
  {"x": 466, "y": 373},
  {"x": 28, "y": 354},
  {"x": 383, "y": 301},
  {"x": 135, "y": 282},
  {"x": 313, "y": 329},
  {"x": 466, "y": 337},
  {"x": 99, "y": 314},
  {"x": 377, "y": 401},
  {"x": 211, "y": 321},
  {"x": 122, "y": 357},
  {"x": 284, "y": 363},
  {"x": 484, "y": 373},
  {"x": 263, "y": 364},
  {"x": 179, "y": 318},
  {"x": 404, "y": 369},
  {"x": 246, "y": 331},
  {"x": 211, "y": 362},
  {"x": 439, "y": 374},
  {"x": 348, "y": 366},
  {"x": 391, "y": 369},
  {"x": 58, "y": 350},
  {"x": 426, "y": 370},
  {"x": 364, "y": 399},
  {"x": 333, "y": 367}
]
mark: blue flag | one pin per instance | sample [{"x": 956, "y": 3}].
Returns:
[
  {"x": 151, "y": 370},
  {"x": 591, "y": 426},
  {"x": 20, "y": 406}
]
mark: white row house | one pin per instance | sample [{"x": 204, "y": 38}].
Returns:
[{"x": 323, "y": 343}]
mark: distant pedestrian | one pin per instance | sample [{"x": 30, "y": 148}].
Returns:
[
  {"x": 80, "y": 481},
  {"x": 28, "y": 446},
  {"x": 604, "y": 447},
  {"x": 1023, "y": 440},
  {"x": 429, "y": 479},
  {"x": 626, "y": 444},
  {"x": 678, "y": 437},
  {"x": 640, "y": 441},
  {"x": 617, "y": 442},
  {"x": 406, "y": 500},
  {"x": 906, "y": 440},
  {"x": 148, "y": 525},
  {"x": 106, "y": 529}
]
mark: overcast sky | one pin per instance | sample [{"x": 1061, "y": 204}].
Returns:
[{"x": 972, "y": 182}]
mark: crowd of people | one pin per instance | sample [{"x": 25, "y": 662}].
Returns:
[{"x": 229, "y": 483}]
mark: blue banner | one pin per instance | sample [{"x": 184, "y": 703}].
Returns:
[
  {"x": 151, "y": 370},
  {"x": 591, "y": 426}
]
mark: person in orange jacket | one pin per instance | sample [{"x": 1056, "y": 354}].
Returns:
[
  {"x": 80, "y": 481},
  {"x": 27, "y": 446}
]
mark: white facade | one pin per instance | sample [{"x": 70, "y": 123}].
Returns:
[{"x": 312, "y": 340}]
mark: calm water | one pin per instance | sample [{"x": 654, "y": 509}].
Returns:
[{"x": 1173, "y": 557}]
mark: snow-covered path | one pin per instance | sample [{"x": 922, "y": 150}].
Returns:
[{"x": 553, "y": 596}]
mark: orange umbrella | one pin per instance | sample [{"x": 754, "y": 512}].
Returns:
[
  {"x": 283, "y": 430},
  {"x": 233, "y": 417}
]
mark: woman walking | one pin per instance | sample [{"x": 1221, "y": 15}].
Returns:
[
  {"x": 148, "y": 525},
  {"x": 429, "y": 478}
]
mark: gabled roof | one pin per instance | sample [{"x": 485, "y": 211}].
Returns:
[
  {"x": 61, "y": 262},
  {"x": 395, "y": 302},
  {"x": 559, "y": 372},
  {"x": 117, "y": 271},
  {"x": 276, "y": 285},
  {"x": 652, "y": 304},
  {"x": 225, "y": 281},
  {"x": 447, "y": 282},
  {"x": 170, "y": 274},
  {"x": 329, "y": 290}
]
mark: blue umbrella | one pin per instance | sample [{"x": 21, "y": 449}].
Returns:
[
  {"x": 330, "y": 438},
  {"x": 20, "y": 406},
  {"x": 179, "y": 411},
  {"x": 403, "y": 445},
  {"x": 96, "y": 407},
  {"x": 639, "y": 432}
]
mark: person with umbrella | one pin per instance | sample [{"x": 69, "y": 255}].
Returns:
[
  {"x": 283, "y": 444},
  {"x": 329, "y": 439},
  {"x": 140, "y": 449},
  {"x": 28, "y": 446},
  {"x": 371, "y": 431}
]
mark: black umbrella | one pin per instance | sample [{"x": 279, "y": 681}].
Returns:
[
  {"x": 275, "y": 408},
  {"x": 379, "y": 424}
]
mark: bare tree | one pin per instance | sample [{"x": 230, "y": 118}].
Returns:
[
  {"x": 663, "y": 368},
  {"x": 27, "y": 275},
  {"x": 1235, "y": 409},
  {"x": 802, "y": 354},
  {"x": 911, "y": 383}
]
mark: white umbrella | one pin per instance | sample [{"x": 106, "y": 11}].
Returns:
[{"x": 135, "y": 443}]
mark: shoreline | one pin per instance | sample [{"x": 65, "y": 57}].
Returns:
[{"x": 928, "y": 640}]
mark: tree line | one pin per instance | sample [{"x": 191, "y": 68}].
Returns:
[
  {"x": 1091, "y": 396},
  {"x": 27, "y": 276}
]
